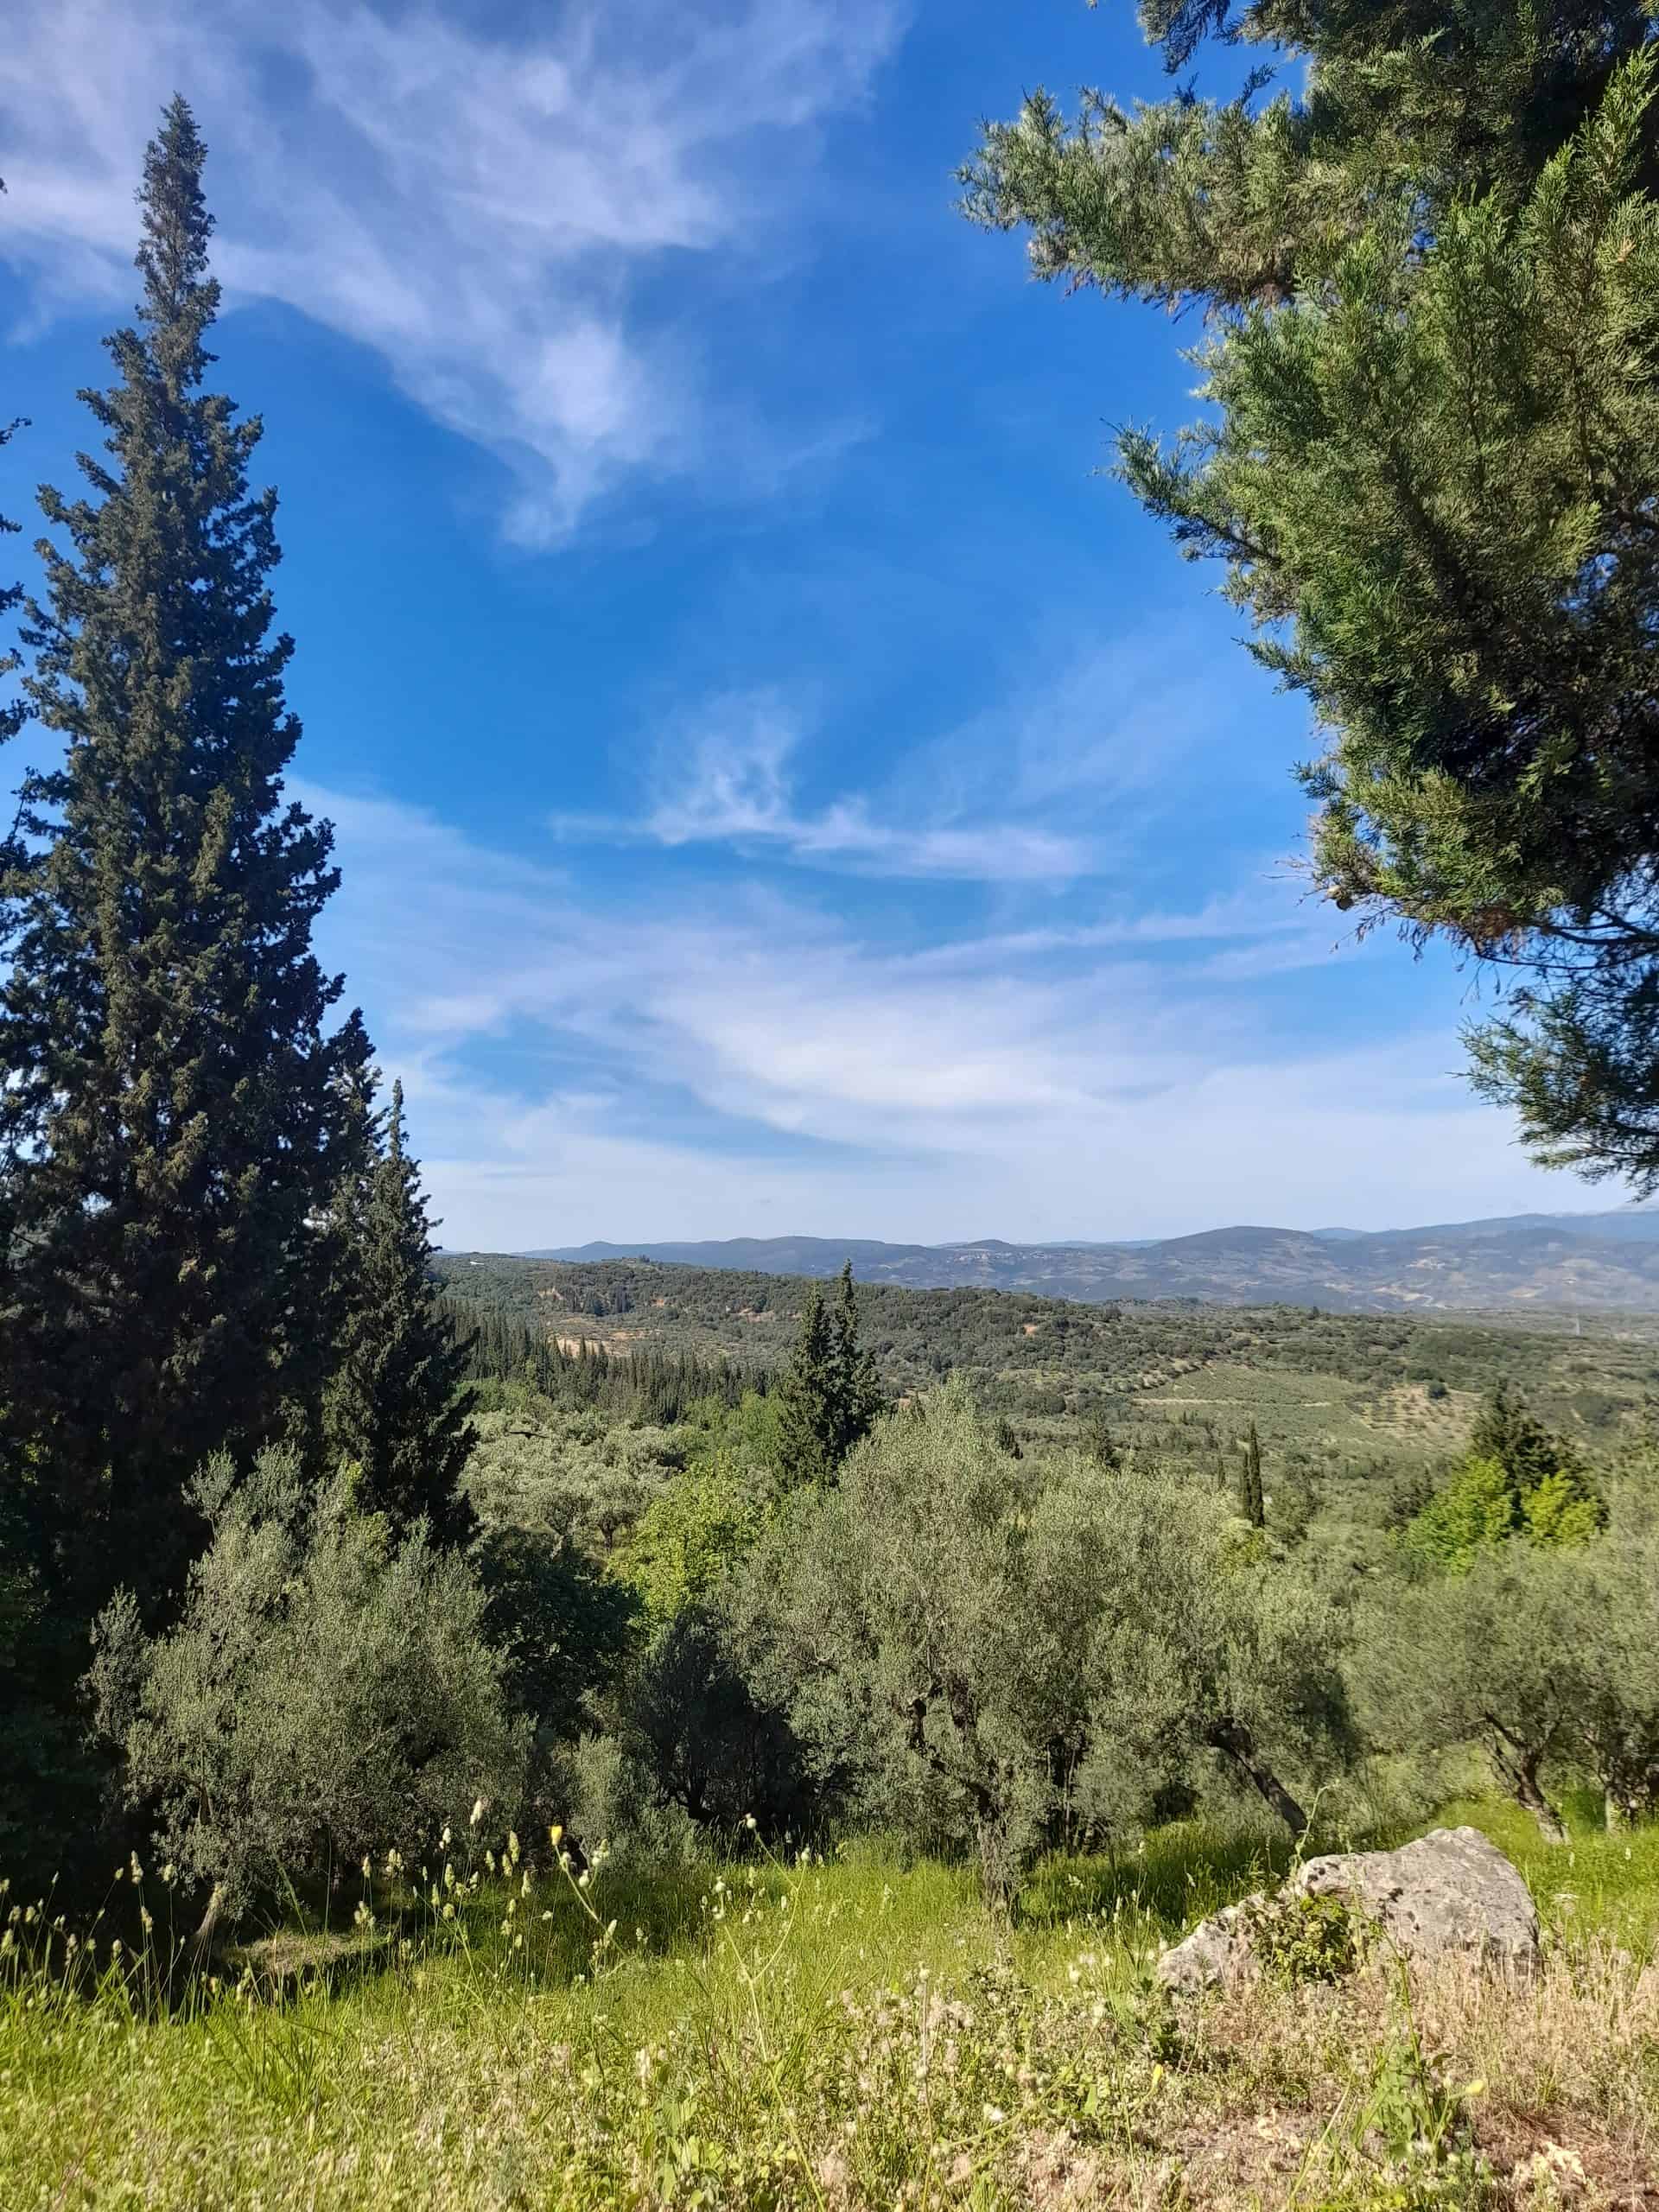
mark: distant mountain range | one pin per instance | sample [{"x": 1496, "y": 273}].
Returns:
[{"x": 1607, "y": 1261}]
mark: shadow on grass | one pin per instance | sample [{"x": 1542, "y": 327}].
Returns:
[{"x": 1181, "y": 1873}]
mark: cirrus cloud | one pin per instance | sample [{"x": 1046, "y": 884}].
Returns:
[{"x": 490, "y": 210}]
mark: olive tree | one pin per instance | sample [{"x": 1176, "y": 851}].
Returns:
[
  {"x": 1613, "y": 1592},
  {"x": 1217, "y": 1655},
  {"x": 937, "y": 1609},
  {"x": 1497, "y": 1655},
  {"x": 327, "y": 1690},
  {"x": 1009, "y": 1633}
]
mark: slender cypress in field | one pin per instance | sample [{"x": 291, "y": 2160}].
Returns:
[{"x": 395, "y": 1403}]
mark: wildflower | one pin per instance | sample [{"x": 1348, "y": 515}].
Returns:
[{"x": 477, "y": 1812}]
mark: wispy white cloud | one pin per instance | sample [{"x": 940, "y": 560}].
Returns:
[
  {"x": 487, "y": 209},
  {"x": 697, "y": 1073},
  {"x": 727, "y": 777},
  {"x": 1091, "y": 763}
]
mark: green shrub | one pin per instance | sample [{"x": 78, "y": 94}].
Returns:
[
  {"x": 327, "y": 1691},
  {"x": 691, "y": 1536},
  {"x": 1298, "y": 1940}
]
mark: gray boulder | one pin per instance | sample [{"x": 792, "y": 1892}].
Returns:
[{"x": 1450, "y": 1893}]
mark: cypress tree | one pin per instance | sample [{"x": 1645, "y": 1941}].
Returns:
[
  {"x": 1251, "y": 1500},
  {"x": 12, "y": 711},
  {"x": 171, "y": 1096},
  {"x": 856, "y": 1392},
  {"x": 1102, "y": 1446},
  {"x": 395, "y": 1403},
  {"x": 829, "y": 1396},
  {"x": 807, "y": 1420}
]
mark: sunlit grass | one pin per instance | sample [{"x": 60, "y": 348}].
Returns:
[{"x": 846, "y": 2030}]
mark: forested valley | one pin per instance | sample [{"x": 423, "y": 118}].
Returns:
[{"x": 486, "y": 1731}]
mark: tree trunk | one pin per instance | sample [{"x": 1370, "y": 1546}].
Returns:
[
  {"x": 1235, "y": 1739},
  {"x": 1529, "y": 1793},
  {"x": 998, "y": 1882}
]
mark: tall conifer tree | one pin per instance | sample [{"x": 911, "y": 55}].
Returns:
[
  {"x": 170, "y": 1089},
  {"x": 857, "y": 1391},
  {"x": 395, "y": 1403},
  {"x": 1252, "y": 1499},
  {"x": 806, "y": 1398},
  {"x": 828, "y": 1397}
]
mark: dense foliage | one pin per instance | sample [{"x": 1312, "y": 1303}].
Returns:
[
  {"x": 327, "y": 1690},
  {"x": 210, "y": 1243},
  {"x": 172, "y": 1113},
  {"x": 1430, "y": 275}
]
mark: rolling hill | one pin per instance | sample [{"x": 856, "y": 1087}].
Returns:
[{"x": 1559, "y": 1261}]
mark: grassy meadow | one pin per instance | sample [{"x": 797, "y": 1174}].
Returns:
[{"x": 846, "y": 2030}]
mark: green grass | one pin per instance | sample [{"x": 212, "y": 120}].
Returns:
[
  {"x": 1599, "y": 1885},
  {"x": 849, "y": 2032}
]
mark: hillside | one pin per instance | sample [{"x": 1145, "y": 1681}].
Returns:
[
  {"x": 1338, "y": 1395},
  {"x": 1565, "y": 1261}
]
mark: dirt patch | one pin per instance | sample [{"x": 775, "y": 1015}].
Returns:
[
  {"x": 1562, "y": 2158},
  {"x": 1227, "y": 2162}
]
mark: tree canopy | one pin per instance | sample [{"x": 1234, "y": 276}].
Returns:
[
  {"x": 1431, "y": 285},
  {"x": 170, "y": 1085}
]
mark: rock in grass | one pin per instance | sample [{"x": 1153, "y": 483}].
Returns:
[{"x": 1452, "y": 1892}]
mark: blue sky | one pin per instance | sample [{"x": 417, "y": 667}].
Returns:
[{"x": 780, "y": 785}]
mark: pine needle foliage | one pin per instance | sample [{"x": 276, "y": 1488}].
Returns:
[
  {"x": 830, "y": 1395},
  {"x": 1431, "y": 285},
  {"x": 806, "y": 1399},
  {"x": 170, "y": 1096},
  {"x": 396, "y": 1404}
]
